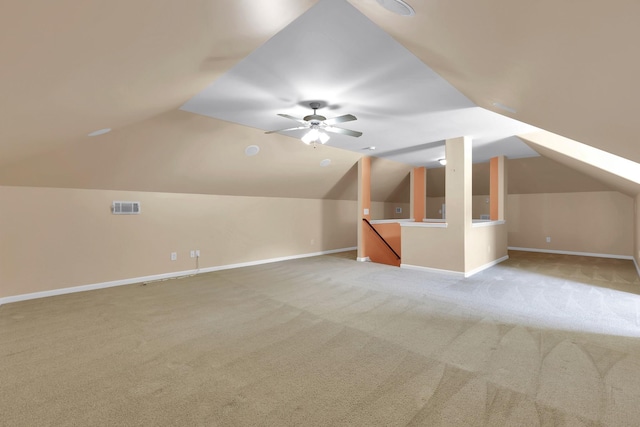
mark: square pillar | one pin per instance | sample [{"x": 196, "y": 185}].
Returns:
[
  {"x": 364, "y": 203},
  {"x": 497, "y": 188},
  {"x": 418, "y": 194}
]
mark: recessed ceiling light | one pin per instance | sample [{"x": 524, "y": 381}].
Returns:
[
  {"x": 442, "y": 161},
  {"x": 251, "y": 150},
  {"x": 398, "y": 7},
  {"x": 504, "y": 107},
  {"x": 370, "y": 148},
  {"x": 99, "y": 132},
  {"x": 325, "y": 162}
]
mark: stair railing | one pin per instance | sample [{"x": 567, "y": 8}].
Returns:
[{"x": 382, "y": 238}]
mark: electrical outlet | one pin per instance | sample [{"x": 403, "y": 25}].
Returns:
[
  {"x": 193, "y": 254},
  {"x": 174, "y": 256},
  {"x": 548, "y": 239},
  {"x": 198, "y": 253}
]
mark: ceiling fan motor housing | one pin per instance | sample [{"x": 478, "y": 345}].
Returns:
[{"x": 314, "y": 118}]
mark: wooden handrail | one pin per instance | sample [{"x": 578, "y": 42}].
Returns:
[{"x": 385, "y": 242}]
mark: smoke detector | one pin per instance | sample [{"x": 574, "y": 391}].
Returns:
[{"x": 398, "y": 7}]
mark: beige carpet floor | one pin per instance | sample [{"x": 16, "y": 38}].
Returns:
[{"x": 539, "y": 340}]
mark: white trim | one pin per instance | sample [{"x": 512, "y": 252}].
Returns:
[
  {"x": 363, "y": 259},
  {"x": 433, "y": 220},
  {"x": 432, "y": 270},
  {"x": 455, "y": 273},
  {"x": 484, "y": 223},
  {"x": 94, "y": 286},
  {"x": 637, "y": 266},
  {"x": 390, "y": 221},
  {"x": 487, "y": 265},
  {"x": 270, "y": 260},
  {"x": 157, "y": 277},
  {"x": 553, "y": 251},
  {"x": 424, "y": 224}
]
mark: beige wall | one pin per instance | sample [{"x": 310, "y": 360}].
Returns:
[
  {"x": 377, "y": 210},
  {"x": 485, "y": 245},
  {"x": 636, "y": 252},
  {"x": 434, "y": 206},
  {"x": 595, "y": 222},
  {"x": 56, "y": 238},
  {"x": 439, "y": 248},
  {"x": 390, "y": 210},
  {"x": 479, "y": 206},
  {"x": 387, "y": 210}
]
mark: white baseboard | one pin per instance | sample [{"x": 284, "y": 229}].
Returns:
[
  {"x": 157, "y": 277},
  {"x": 456, "y": 273},
  {"x": 363, "y": 259},
  {"x": 487, "y": 265},
  {"x": 432, "y": 270},
  {"x": 553, "y": 251}
]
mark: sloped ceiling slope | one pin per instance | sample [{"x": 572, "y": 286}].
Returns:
[
  {"x": 524, "y": 176},
  {"x": 336, "y": 56},
  {"x": 71, "y": 67},
  {"x": 566, "y": 67},
  {"x": 616, "y": 172},
  {"x": 181, "y": 152},
  {"x": 186, "y": 153}
]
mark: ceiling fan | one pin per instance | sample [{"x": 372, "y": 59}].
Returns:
[{"x": 318, "y": 126}]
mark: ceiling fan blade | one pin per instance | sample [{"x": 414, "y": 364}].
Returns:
[
  {"x": 286, "y": 116},
  {"x": 341, "y": 119},
  {"x": 286, "y": 130},
  {"x": 343, "y": 131}
]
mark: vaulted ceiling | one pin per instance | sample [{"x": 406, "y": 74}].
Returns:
[{"x": 72, "y": 67}]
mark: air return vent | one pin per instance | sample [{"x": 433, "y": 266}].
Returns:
[{"x": 125, "y": 208}]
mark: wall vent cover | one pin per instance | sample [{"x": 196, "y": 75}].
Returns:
[{"x": 125, "y": 208}]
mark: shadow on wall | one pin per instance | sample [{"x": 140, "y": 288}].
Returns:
[
  {"x": 347, "y": 187},
  {"x": 339, "y": 224}
]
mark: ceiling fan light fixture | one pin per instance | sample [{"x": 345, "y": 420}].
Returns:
[
  {"x": 315, "y": 136},
  {"x": 324, "y": 138},
  {"x": 443, "y": 162}
]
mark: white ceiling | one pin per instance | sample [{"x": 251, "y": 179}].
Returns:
[{"x": 336, "y": 55}]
